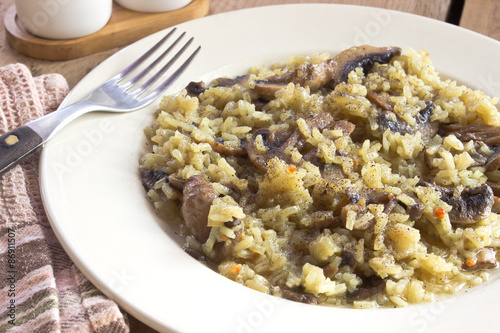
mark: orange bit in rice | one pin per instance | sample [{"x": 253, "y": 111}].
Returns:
[
  {"x": 236, "y": 269},
  {"x": 440, "y": 213},
  {"x": 470, "y": 262}
]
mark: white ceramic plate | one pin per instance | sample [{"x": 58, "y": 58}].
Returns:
[{"x": 96, "y": 204}]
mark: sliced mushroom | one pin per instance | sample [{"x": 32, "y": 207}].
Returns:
[
  {"x": 219, "y": 147},
  {"x": 389, "y": 120},
  {"x": 496, "y": 204},
  {"x": 349, "y": 259},
  {"x": 493, "y": 163},
  {"x": 416, "y": 210},
  {"x": 224, "y": 250},
  {"x": 266, "y": 89},
  {"x": 360, "y": 209},
  {"x": 485, "y": 259},
  {"x": 495, "y": 187},
  {"x": 260, "y": 158},
  {"x": 361, "y": 56},
  {"x": 198, "y": 196},
  {"x": 382, "y": 101},
  {"x": 228, "y": 82},
  {"x": 278, "y": 142},
  {"x": 372, "y": 196},
  {"x": 195, "y": 88},
  {"x": 469, "y": 206},
  {"x": 370, "y": 287},
  {"x": 379, "y": 196},
  {"x": 488, "y": 134},
  {"x": 330, "y": 270},
  {"x": 195, "y": 254},
  {"x": 149, "y": 178},
  {"x": 176, "y": 182},
  {"x": 330, "y": 72},
  {"x": 473, "y": 205},
  {"x": 345, "y": 126},
  {"x": 296, "y": 296}
]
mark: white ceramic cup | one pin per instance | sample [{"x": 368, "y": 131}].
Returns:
[
  {"x": 63, "y": 19},
  {"x": 153, "y": 6}
]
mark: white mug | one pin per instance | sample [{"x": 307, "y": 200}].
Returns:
[
  {"x": 63, "y": 19},
  {"x": 153, "y": 6}
]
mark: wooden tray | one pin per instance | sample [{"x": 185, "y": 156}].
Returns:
[{"x": 124, "y": 27}]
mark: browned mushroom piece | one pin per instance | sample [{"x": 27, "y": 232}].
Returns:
[
  {"x": 219, "y": 147},
  {"x": 330, "y": 270},
  {"x": 428, "y": 129},
  {"x": 345, "y": 126},
  {"x": 348, "y": 259},
  {"x": 416, "y": 210},
  {"x": 364, "y": 56},
  {"x": 198, "y": 196},
  {"x": 224, "y": 250},
  {"x": 469, "y": 206},
  {"x": 382, "y": 101},
  {"x": 493, "y": 163},
  {"x": 260, "y": 158},
  {"x": 176, "y": 182},
  {"x": 495, "y": 208},
  {"x": 473, "y": 205},
  {"x": 379, "y": 196},
  {"x": 370, "y": 287},
  {"x": 360, "y": 209},
  {"x": 485, "y": 259},
  {"x": 372, "y": 196},
  {"x": 330, "y": 72},
  {"x": 278, "y": 142},
  {"x": 297, "y": 296},
  {"x": 488, "y": 134},
  {"x": 266, "y": 89},
  {"x": 229, "y": 82},
  {"x": 195, "y": 88},
  {"x": 150, "y": 177}
]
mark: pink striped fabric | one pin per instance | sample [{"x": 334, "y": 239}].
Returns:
[{"x": 41, "y": 290}]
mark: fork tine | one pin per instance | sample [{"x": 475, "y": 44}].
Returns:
[
  {"x": 155, "y": 93},
  {"x": 162, "y": 71},
  {"x": 143, "y": 57},
  {"x": 152, "y": 65}
]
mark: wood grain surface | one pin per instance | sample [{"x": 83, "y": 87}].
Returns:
[
  {"x": 479, "y": 15},
  {"x": 482, "y": 16}
]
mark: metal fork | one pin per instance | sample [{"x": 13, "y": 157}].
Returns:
[{"x": 116, "y": 94}]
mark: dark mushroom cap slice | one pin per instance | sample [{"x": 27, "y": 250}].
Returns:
[
  {"x": 469, "y": 206},
  {"x": 198, "y": 195},
  {"x": 330, "y": 72},
  {"x": 364, "y": 56}
]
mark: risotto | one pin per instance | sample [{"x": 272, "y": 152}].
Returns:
[{"x": 362, "y": 179}]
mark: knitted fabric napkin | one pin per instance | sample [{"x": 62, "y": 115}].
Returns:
[{"x": 41, "y": 290}]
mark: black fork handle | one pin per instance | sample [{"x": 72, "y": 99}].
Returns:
[{"x": 17, "y": 145}]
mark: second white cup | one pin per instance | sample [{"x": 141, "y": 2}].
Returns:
[{"x": 153, "y": 6}]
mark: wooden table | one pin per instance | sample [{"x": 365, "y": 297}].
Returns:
[{"x": 482, "y": 16}]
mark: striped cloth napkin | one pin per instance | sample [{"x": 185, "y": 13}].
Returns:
[{"x": 41, "y": 290}]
